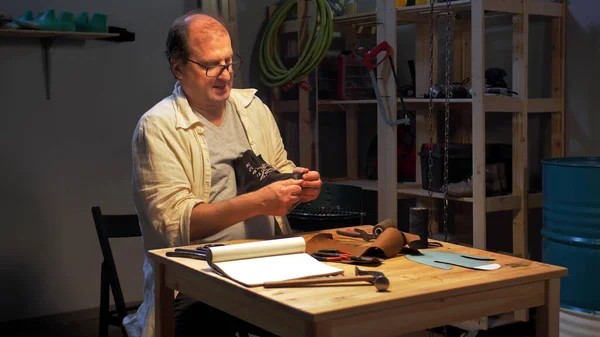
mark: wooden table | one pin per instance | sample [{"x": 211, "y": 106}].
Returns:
[{"x": 420, "y": 296}]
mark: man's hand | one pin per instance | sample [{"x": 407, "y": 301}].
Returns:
[
  {"x": 311, "y": 184},
  {"x": 277, "y": 198}
]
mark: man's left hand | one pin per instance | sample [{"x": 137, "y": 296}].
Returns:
[{"x": 311, "y": 186}]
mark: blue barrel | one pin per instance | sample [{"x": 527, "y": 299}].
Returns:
[{"x": 571, "y": 228}]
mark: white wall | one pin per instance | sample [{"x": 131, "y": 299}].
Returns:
[{"x": 64, "y": 155}]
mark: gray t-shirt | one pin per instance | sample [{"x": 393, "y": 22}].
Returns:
[{"x": 225, "y": 143}]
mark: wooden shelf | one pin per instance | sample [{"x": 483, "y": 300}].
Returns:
[
  {"x": 28, "y": 33},
  {"x": 411, "y": 190},
  {"x": 497, "y": 103},
  {"x": 47, "y": 37},
  {"x": 416, "y": 14},
  {"x": 406, "y": 100},
  {"x": 492, "y": 103}
]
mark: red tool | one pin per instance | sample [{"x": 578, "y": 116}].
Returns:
[
  {"x": 331, "y": 255},
  {"x": 336, "y": 255},
  {"x": 368, "y": 59}
]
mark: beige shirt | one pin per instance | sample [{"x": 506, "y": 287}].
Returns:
[{"x": 172, "y": 174}]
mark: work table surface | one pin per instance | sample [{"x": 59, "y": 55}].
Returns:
[{"x": 413, "y": 288}]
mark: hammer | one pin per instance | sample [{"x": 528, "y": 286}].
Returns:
[
  {"x": 379, "y": 280},
  {"x": 374, "y": 277}
]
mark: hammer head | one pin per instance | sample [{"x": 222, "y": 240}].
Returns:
[{"x": 380, "y": 281}]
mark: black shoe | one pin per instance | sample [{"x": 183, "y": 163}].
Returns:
[{"x": 253, "y": 173}]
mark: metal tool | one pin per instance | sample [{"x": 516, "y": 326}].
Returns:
[
  {"x": 378, "y": 279},
  {"x": 449, "y": 18},
  {"x": 368, "y": 59},
  {"x": 187, "y": 253},
  {"x": 446, "y": 121},
  {"x": 198, "y": 253},
  {"x": 336, "y": 255}
]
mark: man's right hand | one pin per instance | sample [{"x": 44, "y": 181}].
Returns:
[{"x": 277, "y": 198}]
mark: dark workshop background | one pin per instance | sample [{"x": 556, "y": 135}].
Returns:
[{"x": 63, "y": 155}]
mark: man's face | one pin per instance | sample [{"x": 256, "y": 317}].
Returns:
[{"x": 201, "y": 88}]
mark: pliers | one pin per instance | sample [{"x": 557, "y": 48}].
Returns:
[{"x": 198, "y": 253}]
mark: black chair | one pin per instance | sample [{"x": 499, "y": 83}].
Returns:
[{"x": 107, "y": 227}]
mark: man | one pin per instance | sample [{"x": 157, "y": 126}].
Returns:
[{"x": 184, "y": 181}]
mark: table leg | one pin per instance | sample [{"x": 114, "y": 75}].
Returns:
[
  {"x": 163, "y": 304},
  {"x": 319, "y": 329},
  {"x": 548, "y": 314}
]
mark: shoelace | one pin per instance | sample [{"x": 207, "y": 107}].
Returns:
[{"x": 263, "y": 171}]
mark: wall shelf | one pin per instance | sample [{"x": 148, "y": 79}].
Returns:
[
  {"x": 27, "y": 33},
  {"x": 48, "y": 37}
]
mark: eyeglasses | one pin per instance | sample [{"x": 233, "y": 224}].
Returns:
[{"x": 217, "y": 70}]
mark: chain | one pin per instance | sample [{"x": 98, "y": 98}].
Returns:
[
  {"x": 430, "y": 120},
  {"x": 447, "y": 119}
]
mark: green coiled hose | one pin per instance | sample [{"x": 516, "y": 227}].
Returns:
[{"x": 273, "y": 72}]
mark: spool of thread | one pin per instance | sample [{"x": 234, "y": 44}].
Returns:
[
  {"x": 419, "y": 225},
  {"x": 385, "y": 224}
]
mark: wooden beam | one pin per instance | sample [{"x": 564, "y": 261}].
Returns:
[
  {"x": 499, "y": 103},
  {"x": 164, "y": 307},
  {"x": 503, "y": 6},
  {"x": 387, "y": 206},
  {"x": 512, "y": 202},
  {"x": 520, "y": 128},
  {"x": 545, "y": 8},
  {"x": 541, "y": 105},
  {"x": 547, "y": 323},
  {"x": 478, "y": 122}
]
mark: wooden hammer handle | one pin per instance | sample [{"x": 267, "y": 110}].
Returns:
[{"x": 321, "y": 280}]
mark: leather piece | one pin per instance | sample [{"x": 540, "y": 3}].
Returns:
[{"x": 389, "y": 244}]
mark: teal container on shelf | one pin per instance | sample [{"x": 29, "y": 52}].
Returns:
[{"x": 571, "y": 228}]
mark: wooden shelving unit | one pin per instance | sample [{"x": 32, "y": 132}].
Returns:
[
  {"x": 468, "y": 51},
  {"x": 469, "y": 39},
  {"x": 468, "y": 22}
]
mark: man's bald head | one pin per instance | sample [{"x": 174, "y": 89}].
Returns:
[{"x": 196, "y": 25}]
